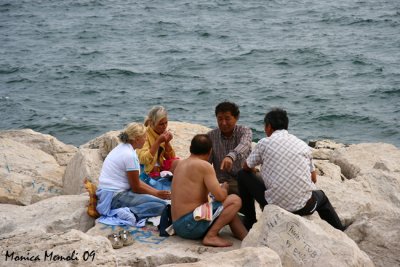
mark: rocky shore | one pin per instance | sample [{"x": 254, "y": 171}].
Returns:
[{"x": 43, "y": 219}]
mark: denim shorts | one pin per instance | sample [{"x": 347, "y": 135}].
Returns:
[{"x": 187, "y": 227}]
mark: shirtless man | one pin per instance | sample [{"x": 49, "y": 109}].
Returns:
[{"x": 194, "y": 178}]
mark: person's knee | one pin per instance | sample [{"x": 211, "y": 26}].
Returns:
[{"x": 233, "y": 200}]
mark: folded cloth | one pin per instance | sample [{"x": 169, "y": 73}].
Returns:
[
  {"x": 205, "y": 212},
  {"x": 166, "y": 174}
]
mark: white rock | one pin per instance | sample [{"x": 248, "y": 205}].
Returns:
[
  {"x": 259, "y": 256},
  {"x": 72, "y": 248},
  {"x": 104, "y": 143},
  {"x": 328, "y": 169},
  {"x": 27, "y": 174},
  {"x": 150, "y": 249},
  {"x": 47, "y": 143},
  {"x": 362, "y": 158},
  {"x": 183, "y": 134},
  {"x": 301, "y": 242},
  {"x": 370, "y": 201},
  {"x": 379, "y": 236},
  {"x": 56, "y": 214},
  {"x": 327, "y": 144},
  {"x": 86, "y": 163}
]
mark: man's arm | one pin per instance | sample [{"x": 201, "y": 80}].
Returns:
[
  {"x": 243, "y": 148},
  {"x": 314, "y": 177},
  {"x": 247, "y": 168},
  {"x": 240, "y": 151},
  {"x": 254, "y": 158},
  {"x": 139, "y": 187},
  {"x": 212, "y": 184},
  {"x": 312, "y": 170}
]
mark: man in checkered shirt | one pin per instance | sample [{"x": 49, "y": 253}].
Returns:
[{"x": 287, "y": 175}]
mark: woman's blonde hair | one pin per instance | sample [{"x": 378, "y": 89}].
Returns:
[
  {"x": 132, "y": 131},
  {"x": 155, "y": 115}
]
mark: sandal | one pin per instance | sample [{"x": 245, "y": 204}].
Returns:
[
  {"x": 126, "y": 237},
  {"x": 115, "y": 240}
]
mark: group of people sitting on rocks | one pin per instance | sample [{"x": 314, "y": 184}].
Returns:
[{"x": 218, "y": 181}]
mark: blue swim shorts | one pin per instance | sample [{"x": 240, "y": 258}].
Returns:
[{"x": 187, "y": 227}]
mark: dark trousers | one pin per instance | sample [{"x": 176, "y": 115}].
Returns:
[
  {"x": 319, "y": 202},
  {"x": 251, "y": 187}
]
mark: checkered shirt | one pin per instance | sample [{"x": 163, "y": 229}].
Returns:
[
  {"x": 238, "y": 147},
  {"x": 286, "y": 166}
]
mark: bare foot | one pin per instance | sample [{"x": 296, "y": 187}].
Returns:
[{"x": 216, "y": 241}]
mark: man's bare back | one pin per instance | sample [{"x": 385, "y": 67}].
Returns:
[{"x": 193, "y": 179}]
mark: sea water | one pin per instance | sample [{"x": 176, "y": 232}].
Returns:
[{"x": 78, "y": 68}]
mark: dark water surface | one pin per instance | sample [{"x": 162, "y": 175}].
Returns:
[{"x": 76, "y": 69}]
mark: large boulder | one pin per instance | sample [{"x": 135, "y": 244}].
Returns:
[
  {"x": 57, "y": 214},
  {"x": 86, "y": 163},
  {"x": 323, "y": 149},
  {"x": 258, "y": 256},
  {"x": 369, "y": 200},
  {"x": 149, "y": 249},
  {"x": 70, "y": 248},
  {"x": 302, "y": 242},
  {"x": 183, "y": 133},
  {"x": 378, "y": 236},
  {"x": 27, "y": 174},
  {"x": 362, "y": 158},
  {"x": 103, "y": 143},
  {"x": 61, "y": 152}
]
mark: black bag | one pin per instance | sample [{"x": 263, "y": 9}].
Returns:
[{"x": 165, "y": 221}]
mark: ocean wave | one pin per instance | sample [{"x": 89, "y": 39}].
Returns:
[
  {"x": 108, "y": 73},
  {"x": 87, "y": 35},
  {"x": 318, "y": 99},
  {"x": 257, "y": 52},
  {"x": 349, "y": 20},
  {"x": 282, "y": 62},
  {"x": 172, "y": 75},
  {"x": 87, "y": 3},
  {"x": 89, "y": 92},
  {"x": 386, "y": 92},
  {"x": 346, "y": 118},
  {"x": 114, "y": 72},
  {"x": 202, "y": 33},
  {"x": 19, "y": 80},
  {"x": 95, "y": 52},
  {"x": 8, "y": 70},
  {"x": 171, "y": 51}
]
